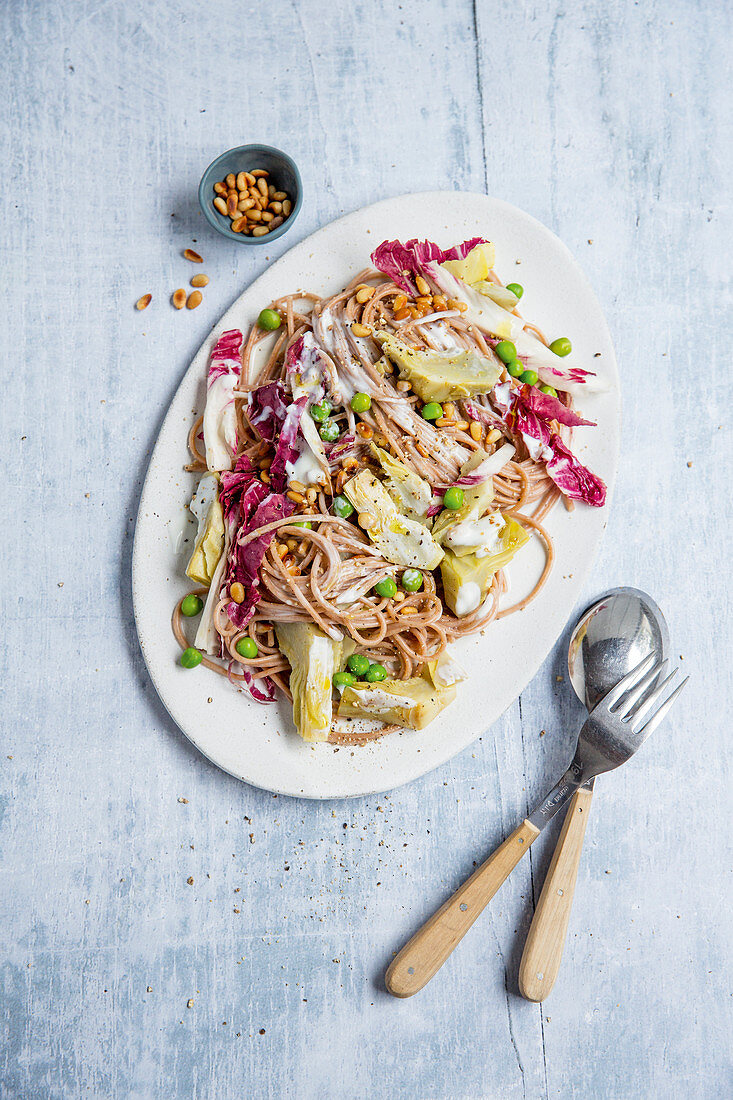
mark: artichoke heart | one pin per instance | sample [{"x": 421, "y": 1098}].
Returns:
[
  {"x": 399, "y": 539},
  {"x": 438, "y": 375},
  {"x": 210, "y": 536},
  {"x": 475, "y": 266},
  {"x": 476, "y": 498},
  {"x": 313, "y": 658},
  {"x": 410, "y": 703},
  {"x": 467, "y": 579},
  {"x": 410, "y": 492},
  {"x": 444, "y": 671}
]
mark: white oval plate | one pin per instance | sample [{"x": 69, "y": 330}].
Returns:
[{"x": 257, "y": 743}]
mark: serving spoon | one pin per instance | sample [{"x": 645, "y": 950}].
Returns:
[
  {"x": 613, "y": 636},
  {"x": 616, "y": 727}
]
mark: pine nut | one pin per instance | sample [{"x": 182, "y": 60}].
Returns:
[
  {"x": 291, "y": 545},
  {"x": 311, "y": 495},
  {"x": 366, "y": 520},
  {"x": 260, "y": 230},
  {"x": 265, "y": 463},
  {"x": 361, "y": 330},
  {"x": 231, "y": 181},
  {"x": 421, "y": 285},
  {"x": 351, "y": 463},
  {"x": 280, "y": 195},
  {"x": 421, "y": 450},
  {"x": 449, "y": 409},
  {"x": 238, "y": 224},
  {"x": 398, "y": 302},
  {"x": 276, "y": 222},
  {"x": 476, "y": 431},
  {"x": 144, "y": 302},
  {"x": 249, "y": 179},
  {"x": 241, "y": 181},
  {"x": 194, "y": 257},
  {"x": 254, "y": 215},
  {"x": 276, "y": 207},
  {"x": 453, "y": 303},
  {"x": 444, "y": 422},
  {"x": 297, "y": 486},
  {"x": 262, "y": 186},
  {"x": 220, "y": 205},
  {"x": 220, "y": 189},
  {"x": 236, "y": 592},
  {"x": 493, "y": 435},
  {"x": 409, "y": 610},
  {"x": 398, "y": 597},
  {"x": 271, "y": 191},
  {"x": 260, "y": 173},
  {"x": 461, "y": 425},
  {"x": 364, "y": 294},
  {"x": 401, "y": 314},
  {"x": 341, "y": 478},
  {"x": 366, "y": 431},
  {"x": 267, "y": 216},
  {"x": 281, "y": 549},
  {"x": 194, "y": 299},
  {"x": 179, "y": 298},
  {"x": 297, "y": 498},
  {"x": 232, "y": 203},
  {"x": 265, "y": 477},
  {"x": 403, "y": 385},
  {"x": 287, "y": 206},
  {"x": 440, "y": 301}
]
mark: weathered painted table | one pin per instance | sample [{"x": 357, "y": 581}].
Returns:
[{"x": 136, "y": 879}]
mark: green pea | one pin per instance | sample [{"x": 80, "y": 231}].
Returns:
[
  {"x": 516, "y": 289},
  {"x": 530, "y": 377},
  {"x": 358, "y": 663},
  {"x": 376, "y": 673},
  {"x": 386, "y": 588},
  {"x": 320, "y": 410},
  {"x": 191, "y": 657},
  {"x": 342, "y": 507},
  {"x": 329, "y": 431},
  {"x": 191, "y": 605},
  {"x": 269, "y": 320},
  {"x": 360, "y": 402},
  {"x": 302, "y": 523},
  {"x": 344, "y": 679},
  {"x": 515, "y": 368},
  {"x": 506, "y": 351},
  {"x": 453, "y": 499},
  {"x": 412, "y": 580},
  {"x": 432, "y": 411},
  {"x": 549, "y": 390},
  {"x": 561, "y": 346},
  {"x": 247, "y": 647}
]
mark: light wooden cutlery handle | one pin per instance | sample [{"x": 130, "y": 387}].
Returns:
[
  {"x": 428, "y": 949},
  {"x": 546, "y": 940}
]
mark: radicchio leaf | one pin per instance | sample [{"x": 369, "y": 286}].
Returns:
[
  {"x": 241, "y": 487},
  {"x": 524, "y": 413},
  {"x": 245, "y": 560},
  {"x": 267, "y": 409},
  {"x": 401, "y": 261},
  {"x": 287, "y": 450},
  {"x": 220, "y": 422}
]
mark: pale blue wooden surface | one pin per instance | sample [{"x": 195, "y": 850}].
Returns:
[{"x": 609, "y": 121}]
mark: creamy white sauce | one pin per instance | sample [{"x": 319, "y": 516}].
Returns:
[
  {"x": 538, "y": 451},
  {"x": 306, "y": 469},
  {"x": 468, "y": 598},
  {"x": 447, "y": 671},
  {"x": 202, "y": 499},
  {"x": 220, "y": 422},
  {"x": 482, "y": 535}
]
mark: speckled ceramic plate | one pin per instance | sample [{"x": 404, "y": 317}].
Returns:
[{"x": 257, "y": 743}]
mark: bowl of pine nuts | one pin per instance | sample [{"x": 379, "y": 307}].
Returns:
[{"x": 251, "y": 194}]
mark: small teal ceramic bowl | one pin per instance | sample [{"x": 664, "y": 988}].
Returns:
[{"x": 284, "y": 175}]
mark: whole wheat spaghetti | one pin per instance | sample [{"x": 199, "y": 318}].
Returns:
[{"x": 354, "y": 524}]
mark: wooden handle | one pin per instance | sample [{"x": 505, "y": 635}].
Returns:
[
  {"x": 546, "y": 940},
  {"x": 428, "y": 949}
]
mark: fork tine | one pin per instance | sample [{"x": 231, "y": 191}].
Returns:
[
  {"x": 655, "y": 719},
  {"x": 628, "y": 682},
  {"x": 635, "y": 695},
  {"x": 636, "y": 714}
]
